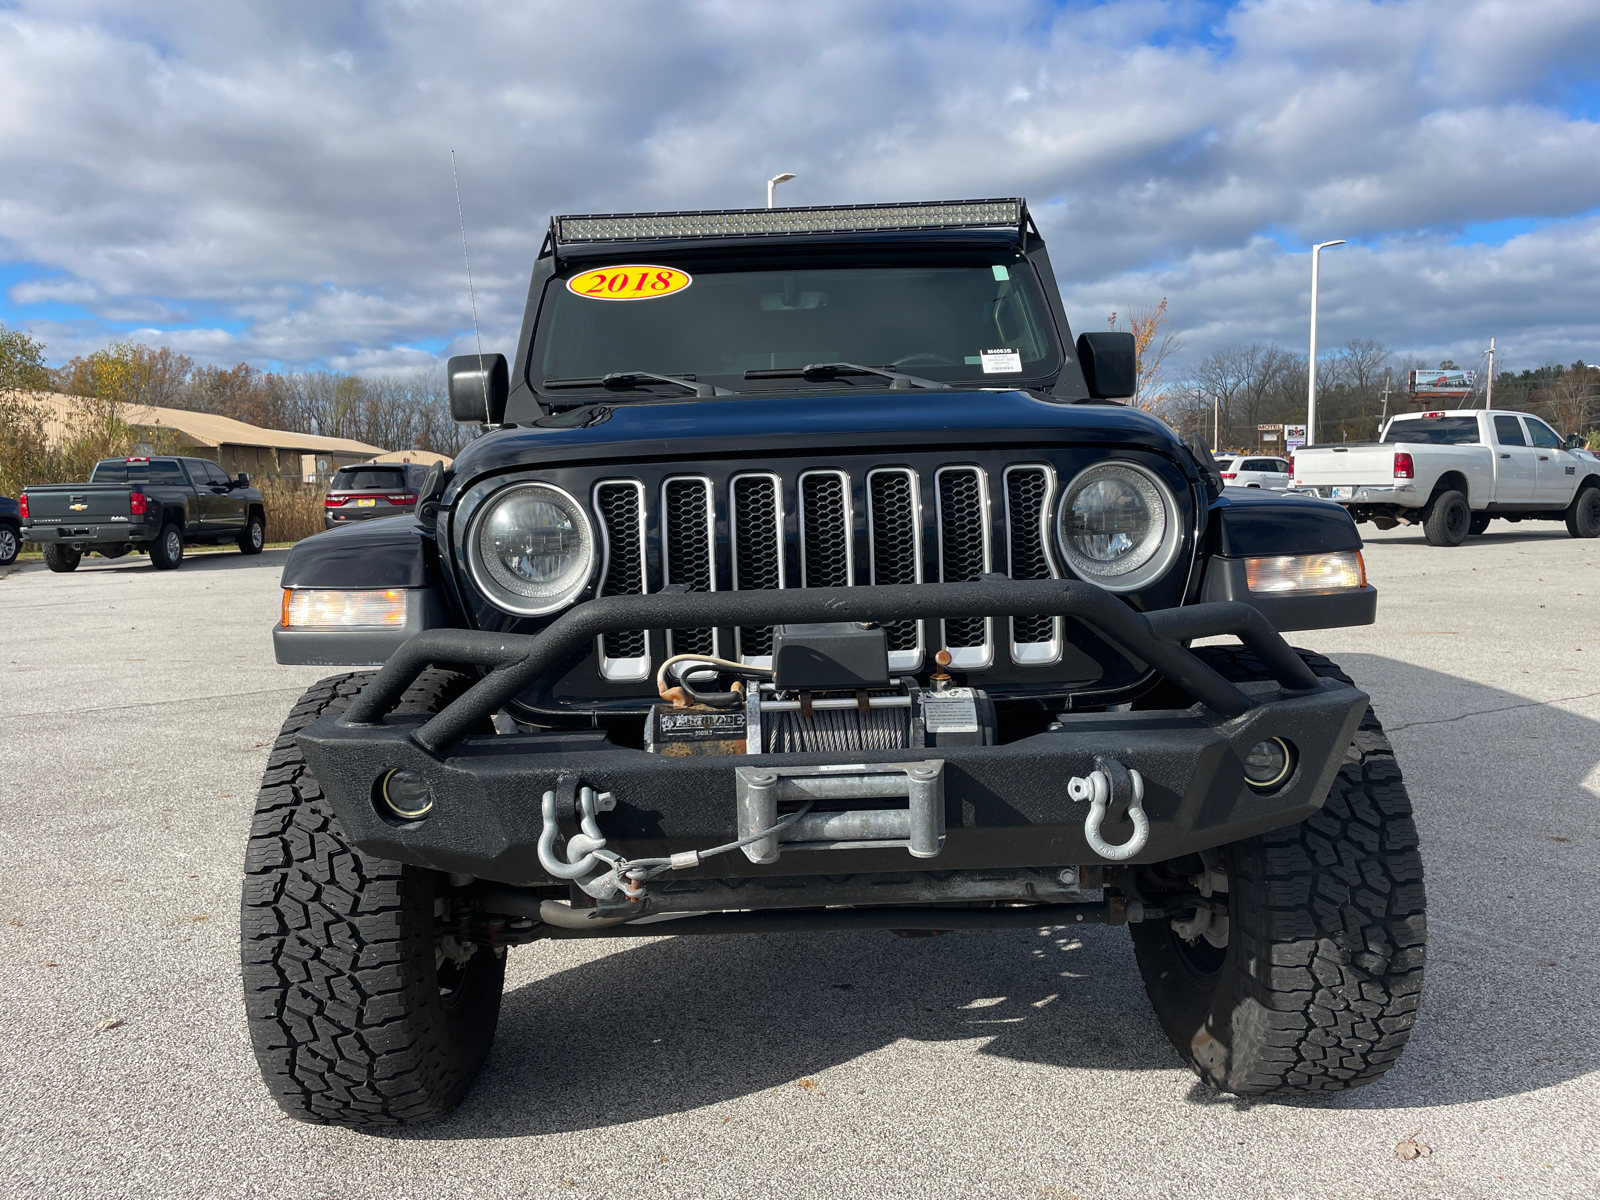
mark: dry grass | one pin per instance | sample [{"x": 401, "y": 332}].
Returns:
[{"x": 293, "y": 511}]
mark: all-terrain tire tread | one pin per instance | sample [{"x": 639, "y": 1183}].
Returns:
[
  {"x": 1332, "y": 924},
  {"x": 337, "y": 1022}
]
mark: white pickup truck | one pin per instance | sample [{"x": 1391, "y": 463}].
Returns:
[{"x": 1452, "y": 472}]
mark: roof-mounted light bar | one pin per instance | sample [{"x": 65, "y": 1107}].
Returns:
[{"x": 758, "y": 222}]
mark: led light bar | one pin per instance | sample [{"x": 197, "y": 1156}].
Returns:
[{"x": 756, "y": 222}]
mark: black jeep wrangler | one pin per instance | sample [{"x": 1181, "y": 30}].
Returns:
[{"x": 809, "y": 576}]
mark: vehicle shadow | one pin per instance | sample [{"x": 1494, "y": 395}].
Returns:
[
  {"x": 1499, "y": 532},
  {"x": 623, "y": 1031},
  {"x": 223, "y": 559}
]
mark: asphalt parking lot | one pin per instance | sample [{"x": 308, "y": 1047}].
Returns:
[{"x": 135, "y": 715}]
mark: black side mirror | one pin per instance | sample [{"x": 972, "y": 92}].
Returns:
[
  {"x": 1575, "y": 442},
  {"x": 241, "y": 480},
  {"x": 1110, "y": 364},
  {"x": 478, "y": 388}
]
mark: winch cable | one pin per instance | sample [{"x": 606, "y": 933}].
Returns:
[
  {"x": 630, "y": 875},
  {"x": 792, "y": 732}
]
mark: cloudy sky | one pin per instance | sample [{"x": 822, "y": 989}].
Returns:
[{"x": 270, "y": 181}]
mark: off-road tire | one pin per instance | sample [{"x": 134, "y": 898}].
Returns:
[
  {"x": 1447, "y": 519},
  {"x": 166, "y": 552},
  {"x": 61, "y": 558},
  {"x": 343, "y": 971},
  {"x": 1480, "y": 523},
  {"x": 1583, "y": 514},
  {"x": 10, "y": 544},
  {"x": 1317, "y": 988},
  {"x": 253, "y": 537}
]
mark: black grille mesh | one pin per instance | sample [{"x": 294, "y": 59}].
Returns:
[
  {"x": 619, "y": 511},
  {"x": 757, "y": 550},
  {"x": 687, "y": 537},
  {"x": 961, "y": 546},
  {"x": 824, "y": 507},
  {"x": 893, "y": 512},
  {"x": 1026, "y": 489}
]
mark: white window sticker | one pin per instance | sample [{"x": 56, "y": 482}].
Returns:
[
  {"x": 1001, "y": 362},
  {"x": 950, "y": 711},
  {"x": 1001, "y": 274}
]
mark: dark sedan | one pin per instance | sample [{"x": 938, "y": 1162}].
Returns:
[{"x": 368, "y": 490}]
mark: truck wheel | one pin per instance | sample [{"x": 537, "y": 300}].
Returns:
[
  {"x": 1315, "y": 988},
  {"x": 10, "y": 545},
  {"x": 1447, "y": 519},
  {"x": 1480, "y": 522},
  {"x": 61, "y": 558},
  {"x": 254, "y": 535},
  {"x": 166, "y": 552},
  {"x": 1583, "y": 514},
  {"x": 364, "y": 1009}
]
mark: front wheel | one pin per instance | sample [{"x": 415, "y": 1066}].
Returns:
[
  {"x": 1583, "y": 514},
  {"x": 1310, "y": 983},
  {"x": 364, "y": 1005},
  {"x": 61, "y": 558},
  {"x": 1446, "y": 519},
  {"x": 254, "y": 535},
  {"x": 10, "y": 545}
]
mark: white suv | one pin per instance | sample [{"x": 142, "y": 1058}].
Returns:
[{"x": 1272, "y": 473}]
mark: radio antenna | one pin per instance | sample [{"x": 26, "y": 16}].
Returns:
[{"x": 462, "y": 217}]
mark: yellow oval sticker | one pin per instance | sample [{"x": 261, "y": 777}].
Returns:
[{"x": 635, "y": 282}]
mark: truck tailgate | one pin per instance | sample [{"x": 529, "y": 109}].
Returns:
[
  {"x": 1321, "y": 466},
  {"x": 70, "y": 503}
]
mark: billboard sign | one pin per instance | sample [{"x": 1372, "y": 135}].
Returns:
[
  {"x": 1294, "y": 436},
  {"x": 1440, "y": 383}
]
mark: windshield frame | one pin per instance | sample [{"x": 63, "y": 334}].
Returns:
[{"x": 799, "y": 254}]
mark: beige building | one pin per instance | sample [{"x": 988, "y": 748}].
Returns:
[{"x": 233, "y": 445}]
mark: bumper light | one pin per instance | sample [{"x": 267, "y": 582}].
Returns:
[
  {"x": 1306, "y": 572},
  {"x": 304, "y": 608},
  {"x": 405, "y": 795},
  {"x": 1269, "y": 763}
]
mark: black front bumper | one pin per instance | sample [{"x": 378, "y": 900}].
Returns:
[{"x": 1005, "y": 806}]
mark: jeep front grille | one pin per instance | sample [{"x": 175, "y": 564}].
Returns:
[
  {"x": 1030, "y": 491},
  {"x": 827, "y": 532},
  {"x": 894, "y": 540},
  {"x": 689, "y": 552},
  {"x": 964, "y": 556},
  {"x": 755, "y": 529},
  {"x": 620, "y": 505},
  {"x": 831, "y": 528}
]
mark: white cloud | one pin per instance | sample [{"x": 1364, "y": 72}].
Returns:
[{"x": 287, "y": 164}]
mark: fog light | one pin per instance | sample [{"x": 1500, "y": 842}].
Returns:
[
  {"x": 406, "y": 795},
  {"x": 1268, "y": 763}
]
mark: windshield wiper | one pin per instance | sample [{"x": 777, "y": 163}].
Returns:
[
  {"x": 631, "y": 379},
  {"x": 897, "y": 381}
]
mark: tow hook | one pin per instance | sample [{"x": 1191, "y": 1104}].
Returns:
[{"x": 1111, "y": 781}]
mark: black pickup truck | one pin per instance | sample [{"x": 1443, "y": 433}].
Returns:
[
  {"x": 154, "y": 506},
  {"x": 812, "y": 577}
]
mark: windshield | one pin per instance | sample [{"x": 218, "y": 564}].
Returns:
[
  {"x": 1439, "y": 431},
  {"x": 977, "y": 320}
]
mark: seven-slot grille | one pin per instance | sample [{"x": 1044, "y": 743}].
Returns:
[{"x": 823, "y": 530}]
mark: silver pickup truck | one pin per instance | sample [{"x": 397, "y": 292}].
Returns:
[{"x": 1453, "y": 472}]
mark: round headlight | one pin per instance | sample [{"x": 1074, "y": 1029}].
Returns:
[
  {"x": 1117, "y": 526},
  {"x": 532, "y": 549}
]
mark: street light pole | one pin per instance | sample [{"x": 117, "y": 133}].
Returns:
[
  {"x": 773, "y": 183},
  {"x": 1311, "y": 361}
]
